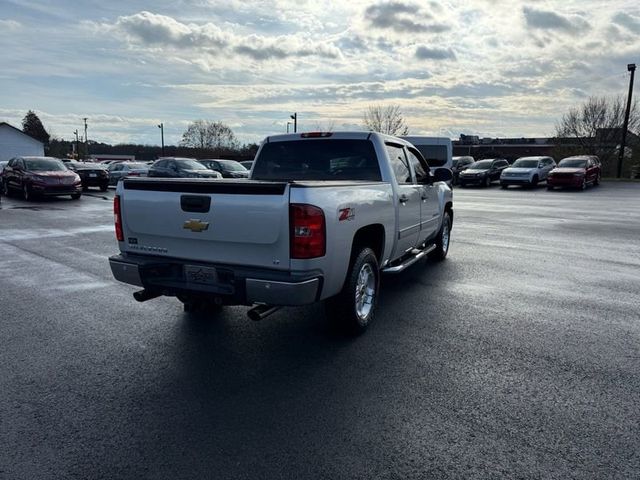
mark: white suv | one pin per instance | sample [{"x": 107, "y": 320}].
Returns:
[{"x": 527, "y": 171}]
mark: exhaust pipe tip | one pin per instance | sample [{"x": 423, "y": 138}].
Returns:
[
  {"x": 259, "y": 312},
  {"x": 144, "y": 295}
]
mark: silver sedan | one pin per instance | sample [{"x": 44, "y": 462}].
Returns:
[{"x": 126, "y": 169}]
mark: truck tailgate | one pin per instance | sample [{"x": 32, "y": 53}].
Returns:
[{"x": 228, "y": 222}]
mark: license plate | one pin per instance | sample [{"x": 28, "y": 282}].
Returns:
[
  {"x": 200, "y": 275},
  {"x": 93, "y": 175}
]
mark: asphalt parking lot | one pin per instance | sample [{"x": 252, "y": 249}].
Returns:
[{"x": 517, "y": 357}]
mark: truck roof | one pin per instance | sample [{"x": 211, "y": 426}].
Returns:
[{"x": 342, "y": 135}]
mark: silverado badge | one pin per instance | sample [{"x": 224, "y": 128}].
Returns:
[{"x": 196, "y": 225}]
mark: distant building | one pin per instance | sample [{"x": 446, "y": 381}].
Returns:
[
  {"x": 14, "y": 142},
  {"x": 99, "y": 157},
  {"x": 509, "y": 148}
]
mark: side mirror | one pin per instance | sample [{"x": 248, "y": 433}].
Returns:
[{"x": 442, "y": 175}]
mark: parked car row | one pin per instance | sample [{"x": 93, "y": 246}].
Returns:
[
  {"x": 40, "y": 176},
  {"x": 577, "y": 171}
]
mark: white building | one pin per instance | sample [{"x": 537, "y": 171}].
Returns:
[{"x": 14, "y": 143}]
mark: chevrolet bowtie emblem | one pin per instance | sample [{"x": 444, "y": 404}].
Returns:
[{"x": 196, "y": 225}]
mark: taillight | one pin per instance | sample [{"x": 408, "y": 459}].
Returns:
[
  {"x": 316, "y": 134},
  {"x": 308, "y": 238},
  {"x": 117, "y": 218}
]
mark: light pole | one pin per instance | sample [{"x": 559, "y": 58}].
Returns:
[
  {"x": 288, "y": 124},
  {"x": 294, "y": 117},
  {"x": 631, "y": 68},
  {"x": 161, "y": 127},
  {"x": 86, "y": 140},
  {"x": 77, "y": 152}
]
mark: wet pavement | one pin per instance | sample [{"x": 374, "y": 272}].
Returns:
[{"x": 517, "y": 357}]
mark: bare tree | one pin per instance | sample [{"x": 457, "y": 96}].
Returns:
[
  {"x": 208, "y": 135},
  {"x": 387, "y": 120},
  {"x": 595, "y": 127}
]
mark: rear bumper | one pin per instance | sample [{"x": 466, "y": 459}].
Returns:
[
  {"x": 235, "y": 286},
  {"x": 95, "y": 182}
]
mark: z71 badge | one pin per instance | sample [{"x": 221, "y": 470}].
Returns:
[{"x": 346, "y": 214}]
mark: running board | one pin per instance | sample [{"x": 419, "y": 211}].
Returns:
[{"x": 409, "y": 261}]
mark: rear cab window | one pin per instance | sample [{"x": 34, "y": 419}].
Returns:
[{"x": 321, "y": 159}]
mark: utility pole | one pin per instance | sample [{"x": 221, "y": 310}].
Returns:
[
  {"x": 77, "y": 152},
  {"x": 86, "y": 140},
  {"x": 161, "y": 127},
  {"x": 288, "y": 124},
  {"x": 294, "y": 117},
  {"x": 631, "y": 68}
]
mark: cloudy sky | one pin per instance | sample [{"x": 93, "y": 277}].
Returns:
[{"x": 487, "y": 67}]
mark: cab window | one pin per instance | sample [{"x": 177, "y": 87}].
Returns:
[
  {"x": 419, "y": 165},
  {"x": 399, "y": 164}
]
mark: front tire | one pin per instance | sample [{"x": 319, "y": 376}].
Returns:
[
  {"x": 5, "y": 188},
  {"x": 443, "y": 239},
  {"x": 26, "y": 193},
  {"x": 596, "y": 182},
  {"x": 487, "y": 182},
  {"x": 534, "y": 181},
  {"x": 75, "y": 196},
  {"x": 353, "y": 309}
]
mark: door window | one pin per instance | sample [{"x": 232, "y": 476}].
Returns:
[
  {"x": 419, "y": 166},
  {"x": 399, "y": 164}
]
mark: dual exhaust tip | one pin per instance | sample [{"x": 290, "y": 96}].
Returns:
[{"x": 256, "y": 314}]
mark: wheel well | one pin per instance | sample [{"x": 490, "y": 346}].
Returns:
[
  {"x": 371, "y": 236},
  {"x": 449, "y": 209}
]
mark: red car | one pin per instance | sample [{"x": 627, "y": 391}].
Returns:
[
  {"x": 576, "y": 172},
  {"x": 40, "y": 176}
]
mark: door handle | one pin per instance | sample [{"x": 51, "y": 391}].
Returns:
[{"x": 403, "y": 198}]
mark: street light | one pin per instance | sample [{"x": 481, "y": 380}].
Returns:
[
  {"x": 86, "y": 140},
  {"x": 294, "y": 117},
  {"x": 161, "y": 127},
  {"x": 630, "y": 68}
]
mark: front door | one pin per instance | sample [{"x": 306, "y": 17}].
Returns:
[{"x": 407, "y": 202}]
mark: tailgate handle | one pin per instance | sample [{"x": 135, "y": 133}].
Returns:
[{"x": 195, "y": 203}]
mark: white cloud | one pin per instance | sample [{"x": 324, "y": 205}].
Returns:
[{"x": 9, "y": 24}]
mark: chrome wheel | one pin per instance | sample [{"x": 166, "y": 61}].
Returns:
[
  {"x": 365, "y": 291},
  {"x": 445, "y": 236}
]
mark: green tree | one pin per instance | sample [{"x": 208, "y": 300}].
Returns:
[{"x": 32, "y": 126}]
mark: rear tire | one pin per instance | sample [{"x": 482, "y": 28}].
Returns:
[
  {"x": 353, "y": 309},
  {"x": 550, "y": 187},
  {"x": 104, "y": 188},
  {"x": 443, "y": 239},
  {"x": 504, "y": 186},
  {"x": 75, "y": 196}
]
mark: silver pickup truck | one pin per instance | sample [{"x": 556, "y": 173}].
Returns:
[{"x": 321, "y": 216}]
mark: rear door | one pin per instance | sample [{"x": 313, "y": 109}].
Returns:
[
  {"x": 208, "y": 220},
  {"x": 408, "y": 201}
]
